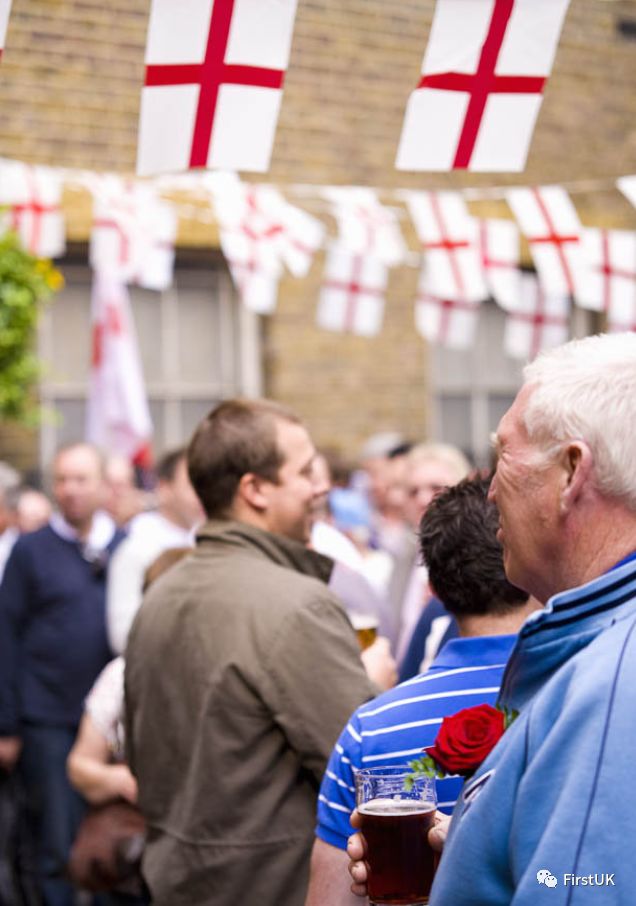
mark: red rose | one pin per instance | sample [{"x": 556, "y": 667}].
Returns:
[{"x": 466, "y": 738}]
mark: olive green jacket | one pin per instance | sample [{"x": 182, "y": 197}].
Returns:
[{"x": 242, "y": 669}]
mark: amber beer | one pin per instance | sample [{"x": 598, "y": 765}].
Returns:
[
  {"x": 395, "y": 824},
  {"x": 366, "y": 627}
]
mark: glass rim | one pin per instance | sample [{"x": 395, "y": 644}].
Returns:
[{"x": 388, "y": 769}]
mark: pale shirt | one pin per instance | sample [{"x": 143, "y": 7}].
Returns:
[
  {"x": 7, "y": 539},
  {"x": 150, "y": 534},
  {"x": 105, "y": 705}
]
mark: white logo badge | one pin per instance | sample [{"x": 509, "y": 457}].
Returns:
[{"x": 546, "y": 877}]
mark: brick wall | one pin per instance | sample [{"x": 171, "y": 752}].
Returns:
[{"x": 69, "y": 91}]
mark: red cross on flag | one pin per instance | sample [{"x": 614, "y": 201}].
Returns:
[
  {"x": 499, "y": 249},
  {"x": 5, "y": 9},
  {"x": 483, "y": 75},
  {"x": 539, "y": 322},
  {"x": 214, "y": 80},
  {"x": 117, "y": 418},
  {"x": 551, "y": 225},
  {"x": 449, "y": 237},
  {"x": 445, "y": 321},
  {"x": 133, "y": 233},
  {"x": 353, "y": 293},
  {"x": 33, "y": 197},
  {"x": 365, "y": 226},
  {"x": 612, "y": 279}
]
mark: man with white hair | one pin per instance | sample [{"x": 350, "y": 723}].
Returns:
[{"x": 557, "y": 793}]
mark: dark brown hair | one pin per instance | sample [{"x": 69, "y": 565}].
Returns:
[{"x": 237, "y": 437}]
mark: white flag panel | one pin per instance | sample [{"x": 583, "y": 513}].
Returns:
[
  {"x": 365, "y": 226},
  {"x": 5, "y": 9},
  {"x": 352, "y": 297},
  {"x": 483, "y": 75},
  {"x": 214, "y": 77},
  {"x": 33, "y": 197},
  {"x": 499, "y": 247},
  {"x": 540, "y": 322}
]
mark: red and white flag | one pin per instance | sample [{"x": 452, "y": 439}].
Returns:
[
  {"x": 499, "y": 248},
  {"x": 450, "y": 239},
  {"x": 5, "y": 9},
  {"x": 612, "y": 279},
  {"x": 483, "y": 74},
  {"x": 627, "y": 185},
  {"x": 33, "y": 197},
  {"x": 214, "y": 83},
  {"x": 551, "y": 225},
  {"x": 353, "y": 293},
  {"x": 133, "y": 234},
  {"x": 365, "y": 226},
  {"x": 118, "y": 417},
  {"x": 539, "y": 322},
  {"x": 445, "y": 321}
]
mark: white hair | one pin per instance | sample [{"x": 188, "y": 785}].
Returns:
[{"x": 586, "y": 390}]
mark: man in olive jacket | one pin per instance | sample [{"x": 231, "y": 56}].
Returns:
[{"x": 241, "y": 670}]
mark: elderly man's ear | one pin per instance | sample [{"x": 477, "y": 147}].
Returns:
[{"x": 577, "y": 465}]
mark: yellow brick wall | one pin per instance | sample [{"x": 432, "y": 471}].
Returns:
[{"x": 69, "y": 91}]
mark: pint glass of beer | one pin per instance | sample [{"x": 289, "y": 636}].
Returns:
[
  {"x": 366, "y": 627},
  {"x": 395, "y": 824}
]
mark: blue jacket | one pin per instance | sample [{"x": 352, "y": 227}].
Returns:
[
  {"x": 558, "y": 793},
  {"x": 53, "y": 641}
]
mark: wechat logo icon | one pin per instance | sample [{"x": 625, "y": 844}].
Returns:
[{"x": 546, "y": 877}]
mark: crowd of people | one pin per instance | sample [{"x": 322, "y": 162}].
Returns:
[{"x": 189, "y": 652}]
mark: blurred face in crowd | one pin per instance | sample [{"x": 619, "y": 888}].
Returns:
[
  {"x": 291, "y": 501},
  {"x": 78, "y": 485},
  {"x": 423, "y": 481},
  {"x": 378, "y": 471},
  {"x": 178, "y": 500},
  {"x": 33, "y": 511},
  {"x": 395, "y": 495}
]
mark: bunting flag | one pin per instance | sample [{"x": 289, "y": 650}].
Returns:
[
  {"x": 483, "y": 75},
  {"x": 612, "y": 278},
  {"x": 213, "y": 86},
  {"x": 539, "y": 322},
  {"x": 551, "y": 225},
  {"x": 118, "y": 417},
  {"x": 627, "y": 185},
  {"x": 133, "y": 234},
  {"x": 449, "y": 237},
  {"x": 353, "y": 293},
  {"x": 499, "y": 249},
  {"x": 445, "y": 321},
  {"x": 5, "y": 9},
  {"x": 33, "y": 198},
  {"x": 366, "y": 227}
]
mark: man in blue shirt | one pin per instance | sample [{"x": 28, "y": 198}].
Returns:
[
  {"x": 463, "y": 556},
  {"x": 53, "y": 645},
  {"x": 553, "y": 805}
]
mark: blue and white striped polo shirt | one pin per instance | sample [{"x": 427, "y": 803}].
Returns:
[{"x": 396, "y": 726}]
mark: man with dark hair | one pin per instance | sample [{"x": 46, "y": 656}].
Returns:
[
  {"x": 53, "y": 645},
  {"x": 459, "y": 546},
  {"x": 172, "y": 524},
  {"x": 241, "y": 667}
]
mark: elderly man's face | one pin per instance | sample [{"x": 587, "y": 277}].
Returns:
[{"x": 525, "y": 489}]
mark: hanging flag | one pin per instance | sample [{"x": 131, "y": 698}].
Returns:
[
  {"x": 483, "y": 75},
  {"x": 539, "y": 322},
  {"x": 256, "y": 284},
  {"x": 611, "y": 287},
  {"x": 445, "y": 321},
  {"x": 551, "y": 225},
  {"x": 449, "y": 237},
  {"x": 353, "y": 293},
  {"x": 499, "y": 249},
  {"x": 5, "y": 9},
  {"x": 133, "y": 234},
  {"x": 627, "y": 185},
  {"x": 32, "y": 196},
  {"x": 365, "y": 226},
  {"x": 118, "y": 417},
  {"x": 213, "y": 86}
]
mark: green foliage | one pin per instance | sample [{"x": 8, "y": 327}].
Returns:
[
  {"x": 26, "y": 283},
  {"x": 422, "y": 767}
]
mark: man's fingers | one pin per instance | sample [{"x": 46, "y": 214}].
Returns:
[{"x": 354, "y": 819}]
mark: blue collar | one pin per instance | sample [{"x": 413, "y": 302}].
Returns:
[
  {"x": 478, "y": 651},
  {"x": 627, "y": 559}
]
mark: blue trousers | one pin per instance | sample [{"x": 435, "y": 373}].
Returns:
[{"x": 54, "y": 809}]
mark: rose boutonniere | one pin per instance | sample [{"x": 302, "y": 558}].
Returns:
[{"x": 463, "y": 741}]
